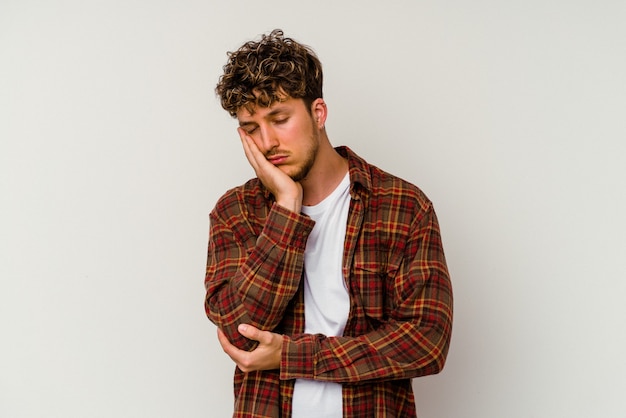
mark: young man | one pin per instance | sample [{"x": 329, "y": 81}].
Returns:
[{"x": 326, "y": 276}]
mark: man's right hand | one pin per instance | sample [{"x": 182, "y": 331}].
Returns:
[{"x": 287, "y": 192}]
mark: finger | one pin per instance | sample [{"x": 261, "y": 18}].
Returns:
[
  {"x": 248, "y": 331},
  {"x": 240, "y": 357},
  {"x": 221, "y": 337},
  {"x": 250, "y": 149},
  {"x": 253, "y": 333},
  {"x": 228, "y": 348},
  {"x": 254, "y": 153}
]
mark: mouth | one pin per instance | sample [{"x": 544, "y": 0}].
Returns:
[{"x": 277, "y": 159}]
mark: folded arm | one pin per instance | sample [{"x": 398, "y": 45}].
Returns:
[{"x": 253, "y": 283}]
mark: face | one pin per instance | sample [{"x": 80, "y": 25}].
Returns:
[{"x": 285, "y": 133}]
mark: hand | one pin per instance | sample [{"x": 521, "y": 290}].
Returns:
[
  {"x": 266, "y": 356},
  {"x": 287, "y": 192}
]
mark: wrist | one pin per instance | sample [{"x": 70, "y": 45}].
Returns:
[{"x": 293, "y": 204}]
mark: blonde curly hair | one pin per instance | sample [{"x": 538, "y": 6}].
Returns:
[{"x": 271, "y": 70}]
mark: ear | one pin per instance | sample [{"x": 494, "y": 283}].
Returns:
[{"x": 319, "y": 112}]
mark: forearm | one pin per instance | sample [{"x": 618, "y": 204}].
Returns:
[
  {"x": 254, "y": 284},
  {"x": 395, "y": 351}
]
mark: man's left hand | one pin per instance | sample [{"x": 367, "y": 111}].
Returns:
[{"x": 266, "y": 356}]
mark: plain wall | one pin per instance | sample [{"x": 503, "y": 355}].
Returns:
[{"x": 510, "y": 115}]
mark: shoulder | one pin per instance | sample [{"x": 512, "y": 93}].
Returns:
[
  {"x": 385, "y": 184},
  {"x": 398, "y": 200},
  {"x": 384, "y": 189}
]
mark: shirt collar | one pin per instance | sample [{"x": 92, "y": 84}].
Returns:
[{"x": 360, "y": 177}]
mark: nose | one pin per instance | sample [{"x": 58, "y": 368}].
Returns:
[{"x": 268, "y": 138}]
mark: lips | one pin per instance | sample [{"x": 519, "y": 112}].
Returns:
[{"x": 277, "y": 159}]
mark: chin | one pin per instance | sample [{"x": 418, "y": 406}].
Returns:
[
  {"x": 299, "y": 176},
  {"x": 301, "y": 172}
]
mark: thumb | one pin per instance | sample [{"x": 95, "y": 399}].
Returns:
[{"x": 249, "y": 331}]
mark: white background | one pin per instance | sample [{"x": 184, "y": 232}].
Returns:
[{"x": 510, "y": 115}]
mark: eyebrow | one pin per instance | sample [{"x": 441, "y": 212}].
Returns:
[
  {"x": 246, "y": 123},
  {"x": 277, "y": 110}
]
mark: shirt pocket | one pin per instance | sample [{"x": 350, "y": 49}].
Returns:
[
  {"x": 370, "y": 285},
  {"x": 373, "y": 284}
]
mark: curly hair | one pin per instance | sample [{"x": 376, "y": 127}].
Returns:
[{"x": 271, "y": 70}]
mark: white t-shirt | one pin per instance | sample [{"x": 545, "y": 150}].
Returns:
[{"x": 326, "y": 298}]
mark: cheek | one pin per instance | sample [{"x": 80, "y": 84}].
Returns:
[
  {"x": 289, "y": 134},
  {"x": 297, "y": 131}
]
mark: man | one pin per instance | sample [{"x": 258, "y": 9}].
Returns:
[{"x": 326, "y": 276}]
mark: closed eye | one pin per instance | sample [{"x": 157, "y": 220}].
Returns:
[
  {"x": 280, "y": 121},
  {"x": 249, "y": 128}
]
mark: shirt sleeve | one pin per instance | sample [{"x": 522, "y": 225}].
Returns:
[
  {"x": 253, "y": 285},
  {"x": 411, "y": 341}
]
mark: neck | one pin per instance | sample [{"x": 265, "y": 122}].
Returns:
[{"x": 325, "y": 175}]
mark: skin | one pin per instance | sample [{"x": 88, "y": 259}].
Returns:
[
  {"x": 266, "y": 356},
  {"x": 287, "y": 146}
]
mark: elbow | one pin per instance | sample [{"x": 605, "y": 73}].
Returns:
[
  {"x": 434, "y": 360},
  {"x": 440, "y": 359},
  {"x": 211, "y": 312},
  {"x": 438, "y": 363}
]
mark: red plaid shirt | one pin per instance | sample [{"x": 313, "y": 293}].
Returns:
[{"x": 400, "y": 294}]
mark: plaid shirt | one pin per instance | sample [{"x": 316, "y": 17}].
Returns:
[{"x": 400, "y": 317}]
